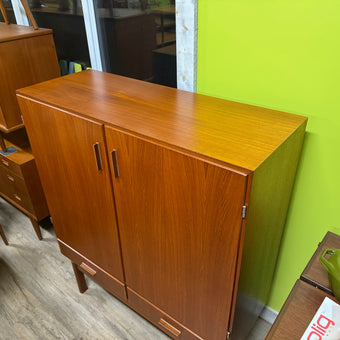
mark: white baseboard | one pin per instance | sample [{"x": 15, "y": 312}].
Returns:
[{"x": 268, "y": 314}]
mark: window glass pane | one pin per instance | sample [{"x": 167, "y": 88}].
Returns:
[
  {"x": 138, "y": 38},
  {"x": 65, "y": 18},
  {"x": 9, "y": 11}
]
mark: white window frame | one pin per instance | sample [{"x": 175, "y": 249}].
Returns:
[
  {"x": 19, "y": 12},
  {"x": 186, "y": 39},
  {"x": 186, "y": 44},
  {"x": 92, "y": 34}
]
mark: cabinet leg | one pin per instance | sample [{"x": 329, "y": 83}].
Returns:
[
  {"x": 36, "y": 227},
  {"x": 3, "y": 236},
  {"x": 80, "y": 277}
]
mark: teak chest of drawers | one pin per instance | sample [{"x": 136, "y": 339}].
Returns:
[
  {"x": 175, "y": 202},
  {"x": 20, "y": 184}
]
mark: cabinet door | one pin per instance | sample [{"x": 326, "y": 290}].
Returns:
[
  {"x": 78, "y": 189},
  {"x": 180, "y": 220}
]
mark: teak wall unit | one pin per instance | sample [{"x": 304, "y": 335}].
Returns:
[
  {"x": 174, "y": 202},
  {"x": 28, "y": 56}
]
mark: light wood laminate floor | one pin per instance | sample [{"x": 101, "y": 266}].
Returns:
[{"x": 39, "y": 298}]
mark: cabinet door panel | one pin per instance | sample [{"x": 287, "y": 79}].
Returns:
[
  {"x": 79, "y": 195},
  {"x": 179, "y": 220}
]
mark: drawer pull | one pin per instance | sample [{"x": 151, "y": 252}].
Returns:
[
  {"x": 115, "y": 162},
  {"x": 88, "y": 270},
  {"x": 174, "y": 331},
  {"x": 10, "y": 178},
  {"x": 97, "y": 156},
  {"x": 4, "y": 162},
  {"x": 17, "y": 197}
]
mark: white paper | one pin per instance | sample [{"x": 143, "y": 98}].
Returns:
[{"x": 325, "y": 323}]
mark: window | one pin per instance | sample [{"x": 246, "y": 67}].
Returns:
[
  {"x": 138, "y": 39},
  {"x": 168, "y": 25},
  {"x": 66, "y": 20}
]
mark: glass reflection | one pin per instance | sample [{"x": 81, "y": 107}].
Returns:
[
  {"x": 138, "y": 38},
  {"x": 65, "y": 18}
]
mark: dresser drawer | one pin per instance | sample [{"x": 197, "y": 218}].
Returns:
[
  {"x": 160, "y": 319},
  {"x": 14, "y": 188},
  {"x": 10, "y": 165},
  {"x": 97, "y": 274}
]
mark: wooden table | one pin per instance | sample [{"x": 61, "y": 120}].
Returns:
[
  {"x": 298, "y": 311},
  {"x": 306, "y": 296}
]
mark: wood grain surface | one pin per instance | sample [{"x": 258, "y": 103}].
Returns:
[
  {"x": 20, "y": 183},
  {"x": 78, "y": 194},
  {"x": 15, "y": 32},
  {"x": 159, "y": 318},
  {"x": 28, "y": 56},
  {"x": 16, "y": 160},
  {"x": 201, "y": 185},
  {"x": 269, "y": 201},
  {"x": 297, "y": 312},
  {"x": 39, "y": 298},
  {"x": 180, "y": 243},
  {"x": 199, "y": 124}
]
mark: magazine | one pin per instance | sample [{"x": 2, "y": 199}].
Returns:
[{"x": 325, "y": 323}]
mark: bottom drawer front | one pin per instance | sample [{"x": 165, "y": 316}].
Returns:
[
  {"x": 97, "y": 274},
  {"x": 160, "y": 319}
]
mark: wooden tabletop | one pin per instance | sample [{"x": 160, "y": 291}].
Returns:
[
  {"x": 298, "y": 311},
  {"x": 314, "y": 273},
  {"x": 15, "y": 32},
  {"x": 173, "y": 117}
]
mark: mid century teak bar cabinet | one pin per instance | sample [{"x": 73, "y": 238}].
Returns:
[{"x": 174, "y": 202}]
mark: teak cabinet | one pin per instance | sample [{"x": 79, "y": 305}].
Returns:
[
  {"x": 28, "y": 56},
  {"x": 174, "y": 202}
]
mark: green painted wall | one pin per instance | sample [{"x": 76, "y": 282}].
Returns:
[{"x": 283, "y": 54}]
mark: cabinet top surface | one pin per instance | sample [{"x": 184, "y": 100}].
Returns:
[
  {"x": 20, "y": 157},
  {"x": 230, "y": 132},
  {"x": 14, "y": 32}
]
